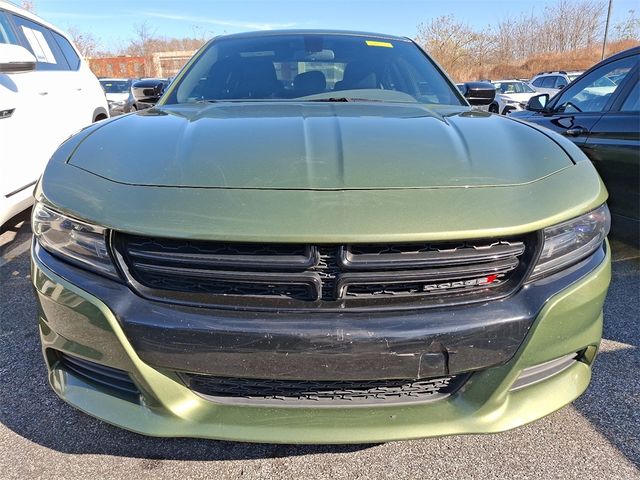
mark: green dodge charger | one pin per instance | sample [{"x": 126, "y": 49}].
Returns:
[{"x": 313, "y": 238}]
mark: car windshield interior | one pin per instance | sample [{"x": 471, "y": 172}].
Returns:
[
  {"x": 115, "y": 86},
  {"x": 313, "y": 67},
  {"x": 513, "y": 87}
]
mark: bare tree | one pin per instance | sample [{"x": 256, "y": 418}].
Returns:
[
  {"x": 28, "y": 5},
  {"x": 519, "y": 45},
  {"x": 450, "y": 42},
  {"x": 569, "y": 25},
  {"x": 629, "y": 28},
  {"x": 86, "y": 42},
  {"x": 142, "y": 44}
]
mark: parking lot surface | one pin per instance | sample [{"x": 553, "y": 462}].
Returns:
[{"x": 598, "y": 436}]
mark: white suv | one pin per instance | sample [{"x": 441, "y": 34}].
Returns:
[
  {"x": 553, "y": 82},
  {"x": 511, "y": 95},
  {"x": 47, "y": 93}
]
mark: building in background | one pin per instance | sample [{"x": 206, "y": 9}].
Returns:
[{"x": 158, "y": 65}]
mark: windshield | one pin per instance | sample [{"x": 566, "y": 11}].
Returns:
[
  {"x": 513, "y": 87},
  {"x": 604, "y": 82},
  {"x": 115, "y": 86},
  {"x": 573, "y": 76},
  {"x": 313, "y": 67}
]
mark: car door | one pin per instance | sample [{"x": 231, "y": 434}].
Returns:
[
  {"x": 560, "y": 82},
  {"x": 575, "y": 110},
  {"x": 55, "y": 89},
  {"x": 22, "y": 124},
  {"x": 613, "y": 146},
  {"x": 548, "y": 84},
  {"x": 82, "y": 85}
]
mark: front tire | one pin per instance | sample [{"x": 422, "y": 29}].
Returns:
[{"x": 493, "y": 108}]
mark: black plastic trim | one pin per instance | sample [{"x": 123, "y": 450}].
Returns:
[
  {"x": 351, "y": 260},
  {"x": 109, "y": 377},
  {"x": 306, "y": 393},
  {"x": 420, "y": 276},
  {"x": 332, "y": 296},
  {"x": 543, "y": 371},
  {"x": 335, "y": 345}
]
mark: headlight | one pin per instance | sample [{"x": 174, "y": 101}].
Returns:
[
  {"x": 571, "y": 241},
  {"x": 75, "y": 241},
  {"x": 512, "y": 102}
]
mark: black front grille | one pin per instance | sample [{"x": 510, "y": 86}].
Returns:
[
  {"x": 245, "y": 275},
  {"x": 111, "y": 378},
  {"x": 323, "y": 392}
]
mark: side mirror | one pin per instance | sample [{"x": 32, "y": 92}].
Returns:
[
  {"x": 16, "y": 59},
  {"x": 159, "y": 89},
  {"x": 148, "y": 94},
  {"x": 479, "y": 93},
  {"x": 538, "y": 103}
]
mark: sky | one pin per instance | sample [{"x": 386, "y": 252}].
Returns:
[{"x": 112, "y": 21}]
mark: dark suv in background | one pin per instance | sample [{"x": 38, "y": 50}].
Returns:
[{"x": 600, "y": 112}]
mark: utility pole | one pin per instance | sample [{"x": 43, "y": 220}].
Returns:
[{"x": 606, "y": 30}]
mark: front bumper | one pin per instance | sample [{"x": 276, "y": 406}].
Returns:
[{"x": 102, "y": 323}]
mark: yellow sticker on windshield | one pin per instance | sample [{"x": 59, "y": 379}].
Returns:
[{"x": 375, "y": 43}]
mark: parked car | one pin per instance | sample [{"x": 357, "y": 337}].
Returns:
[
  {"x": 147, "y": 92},
  {"x": 485, "y": 87},
  {"x": 119, "y": 95},
  {"x": 363, "y": 259},
  {"x": 553, "y": 82},
  {"x": 47, "y": 92},
  {"x": 511, "y": 95},
  {"x": 603, "y": 119}
]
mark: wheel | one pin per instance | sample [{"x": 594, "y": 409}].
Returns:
[
  {"x": 493, "y": 108},
  {"x": 133, "y": 108}
]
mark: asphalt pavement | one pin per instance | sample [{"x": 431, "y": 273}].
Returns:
[{"x": 598, "y": 436}]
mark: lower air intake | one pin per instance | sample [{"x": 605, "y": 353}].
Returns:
[
  {"x": 111, "y": 378},
  {"x": 304, "y": 392}
]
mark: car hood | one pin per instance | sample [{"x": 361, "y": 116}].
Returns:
[{"x": 291, "y": 145}]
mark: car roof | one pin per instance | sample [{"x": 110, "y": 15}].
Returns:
[
  {"x": 267, "y": 33},
  {"x": 625, "y": 53},
  {"x": 556, "y": 73}
]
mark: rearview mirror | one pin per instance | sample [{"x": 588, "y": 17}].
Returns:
[
  {"x": 16, "y": 59},
  {"x": 538, "y": 103},
  {"x": 479, "y": 93}
]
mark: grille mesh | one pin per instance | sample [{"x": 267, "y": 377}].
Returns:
[{"x": 324, "y": 392}]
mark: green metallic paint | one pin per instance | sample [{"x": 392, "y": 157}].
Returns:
[
  {"x": 323, "y": 216},
  {"x": 562, "y": 191},
  {"x": 305, "y": 145},
  {"x": 318, "y": 173},
  {"x": 570, "y": 321}
]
